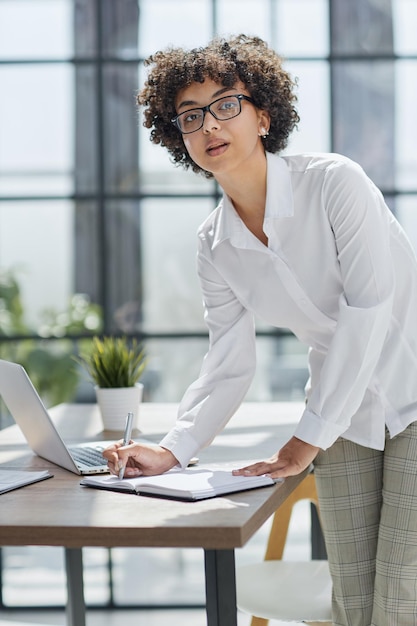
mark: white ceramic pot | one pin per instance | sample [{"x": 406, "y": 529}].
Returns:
[{"x": 115, "y": 403}]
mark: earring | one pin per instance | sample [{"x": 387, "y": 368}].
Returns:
[{"x": 264, "y": 133}]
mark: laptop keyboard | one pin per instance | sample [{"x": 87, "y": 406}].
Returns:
[{"x": 87, "y": 456}]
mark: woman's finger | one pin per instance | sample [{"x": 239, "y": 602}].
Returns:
[{"x": 257, "y": 469}]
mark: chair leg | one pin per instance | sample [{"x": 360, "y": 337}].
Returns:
[{"x": 259, "y": 621}]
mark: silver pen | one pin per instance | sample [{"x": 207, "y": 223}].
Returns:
[{"x": 126, "y": 438}]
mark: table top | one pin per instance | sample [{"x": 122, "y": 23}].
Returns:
[{"x": 60, "y": 512}]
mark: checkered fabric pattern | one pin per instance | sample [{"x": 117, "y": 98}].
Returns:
[{"x": 368, "y": 508}]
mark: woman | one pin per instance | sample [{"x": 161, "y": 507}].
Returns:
[{"x": 304, "y": 242}]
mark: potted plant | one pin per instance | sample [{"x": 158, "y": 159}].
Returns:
[{"x": 116, "y": 365}]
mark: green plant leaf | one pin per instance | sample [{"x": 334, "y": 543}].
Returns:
[{"x": 114, "y": 361}]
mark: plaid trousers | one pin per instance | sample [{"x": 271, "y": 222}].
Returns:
[{"x": 368, "y": 510}]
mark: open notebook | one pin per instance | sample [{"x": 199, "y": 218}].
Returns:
[{"x": 190, "y": 484}]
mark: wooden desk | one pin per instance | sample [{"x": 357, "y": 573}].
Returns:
[{"x": 59, "y": 512}]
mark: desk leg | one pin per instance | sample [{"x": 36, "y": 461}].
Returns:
[
  {"x": 220, "y": 587},
  {"x": 75, "y": 587}
]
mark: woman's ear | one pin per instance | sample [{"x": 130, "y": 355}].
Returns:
[{"x": 264, "y": 122}]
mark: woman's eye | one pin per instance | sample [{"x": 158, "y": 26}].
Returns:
[
  {"x": 227, "y": 105},
  {"x": 190, "y": 117}
]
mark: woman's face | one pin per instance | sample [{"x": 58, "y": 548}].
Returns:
[{"x": 223, "y": 147}]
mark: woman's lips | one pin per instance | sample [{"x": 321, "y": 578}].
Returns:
[{"x": 216, "y": 148}]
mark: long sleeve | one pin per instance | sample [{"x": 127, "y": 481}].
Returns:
[
  {"x": 226, "y": 372},
  {"x": 360, "y": 223}
]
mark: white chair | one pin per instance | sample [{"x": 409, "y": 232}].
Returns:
[{"x": 285, "y": 590}]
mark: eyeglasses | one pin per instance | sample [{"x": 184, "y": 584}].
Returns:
[{"x": 222, "y": 109}]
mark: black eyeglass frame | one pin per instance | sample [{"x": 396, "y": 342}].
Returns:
[{"x": 239, "y": 97}]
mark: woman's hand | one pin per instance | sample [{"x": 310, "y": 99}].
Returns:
[
  {"x": 291, "y": 460},
  {"x": 138, "y": 459}
]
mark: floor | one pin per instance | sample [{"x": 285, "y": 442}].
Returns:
[{"x": 127, "y": 618}]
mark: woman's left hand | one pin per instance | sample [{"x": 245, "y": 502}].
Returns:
[{"x": 294, "y": 457}]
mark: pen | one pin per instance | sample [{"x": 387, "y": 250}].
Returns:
[{"x": 126, "y": 438}]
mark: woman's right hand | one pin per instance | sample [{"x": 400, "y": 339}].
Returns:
[{"x": 138, "y": 459}]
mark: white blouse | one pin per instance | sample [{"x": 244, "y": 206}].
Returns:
[{"x": 340, "y": 273}]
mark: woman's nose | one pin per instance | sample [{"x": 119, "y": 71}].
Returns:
[{"x": 210, "y": 123}]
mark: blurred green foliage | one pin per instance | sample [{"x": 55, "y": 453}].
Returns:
[{"x": 50, "y": 364}]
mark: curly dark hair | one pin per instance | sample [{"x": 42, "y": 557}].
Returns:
[{"x": 225, "y": 61}]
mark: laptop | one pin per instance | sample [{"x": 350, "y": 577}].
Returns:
[{"x": 30, "y": 414}]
